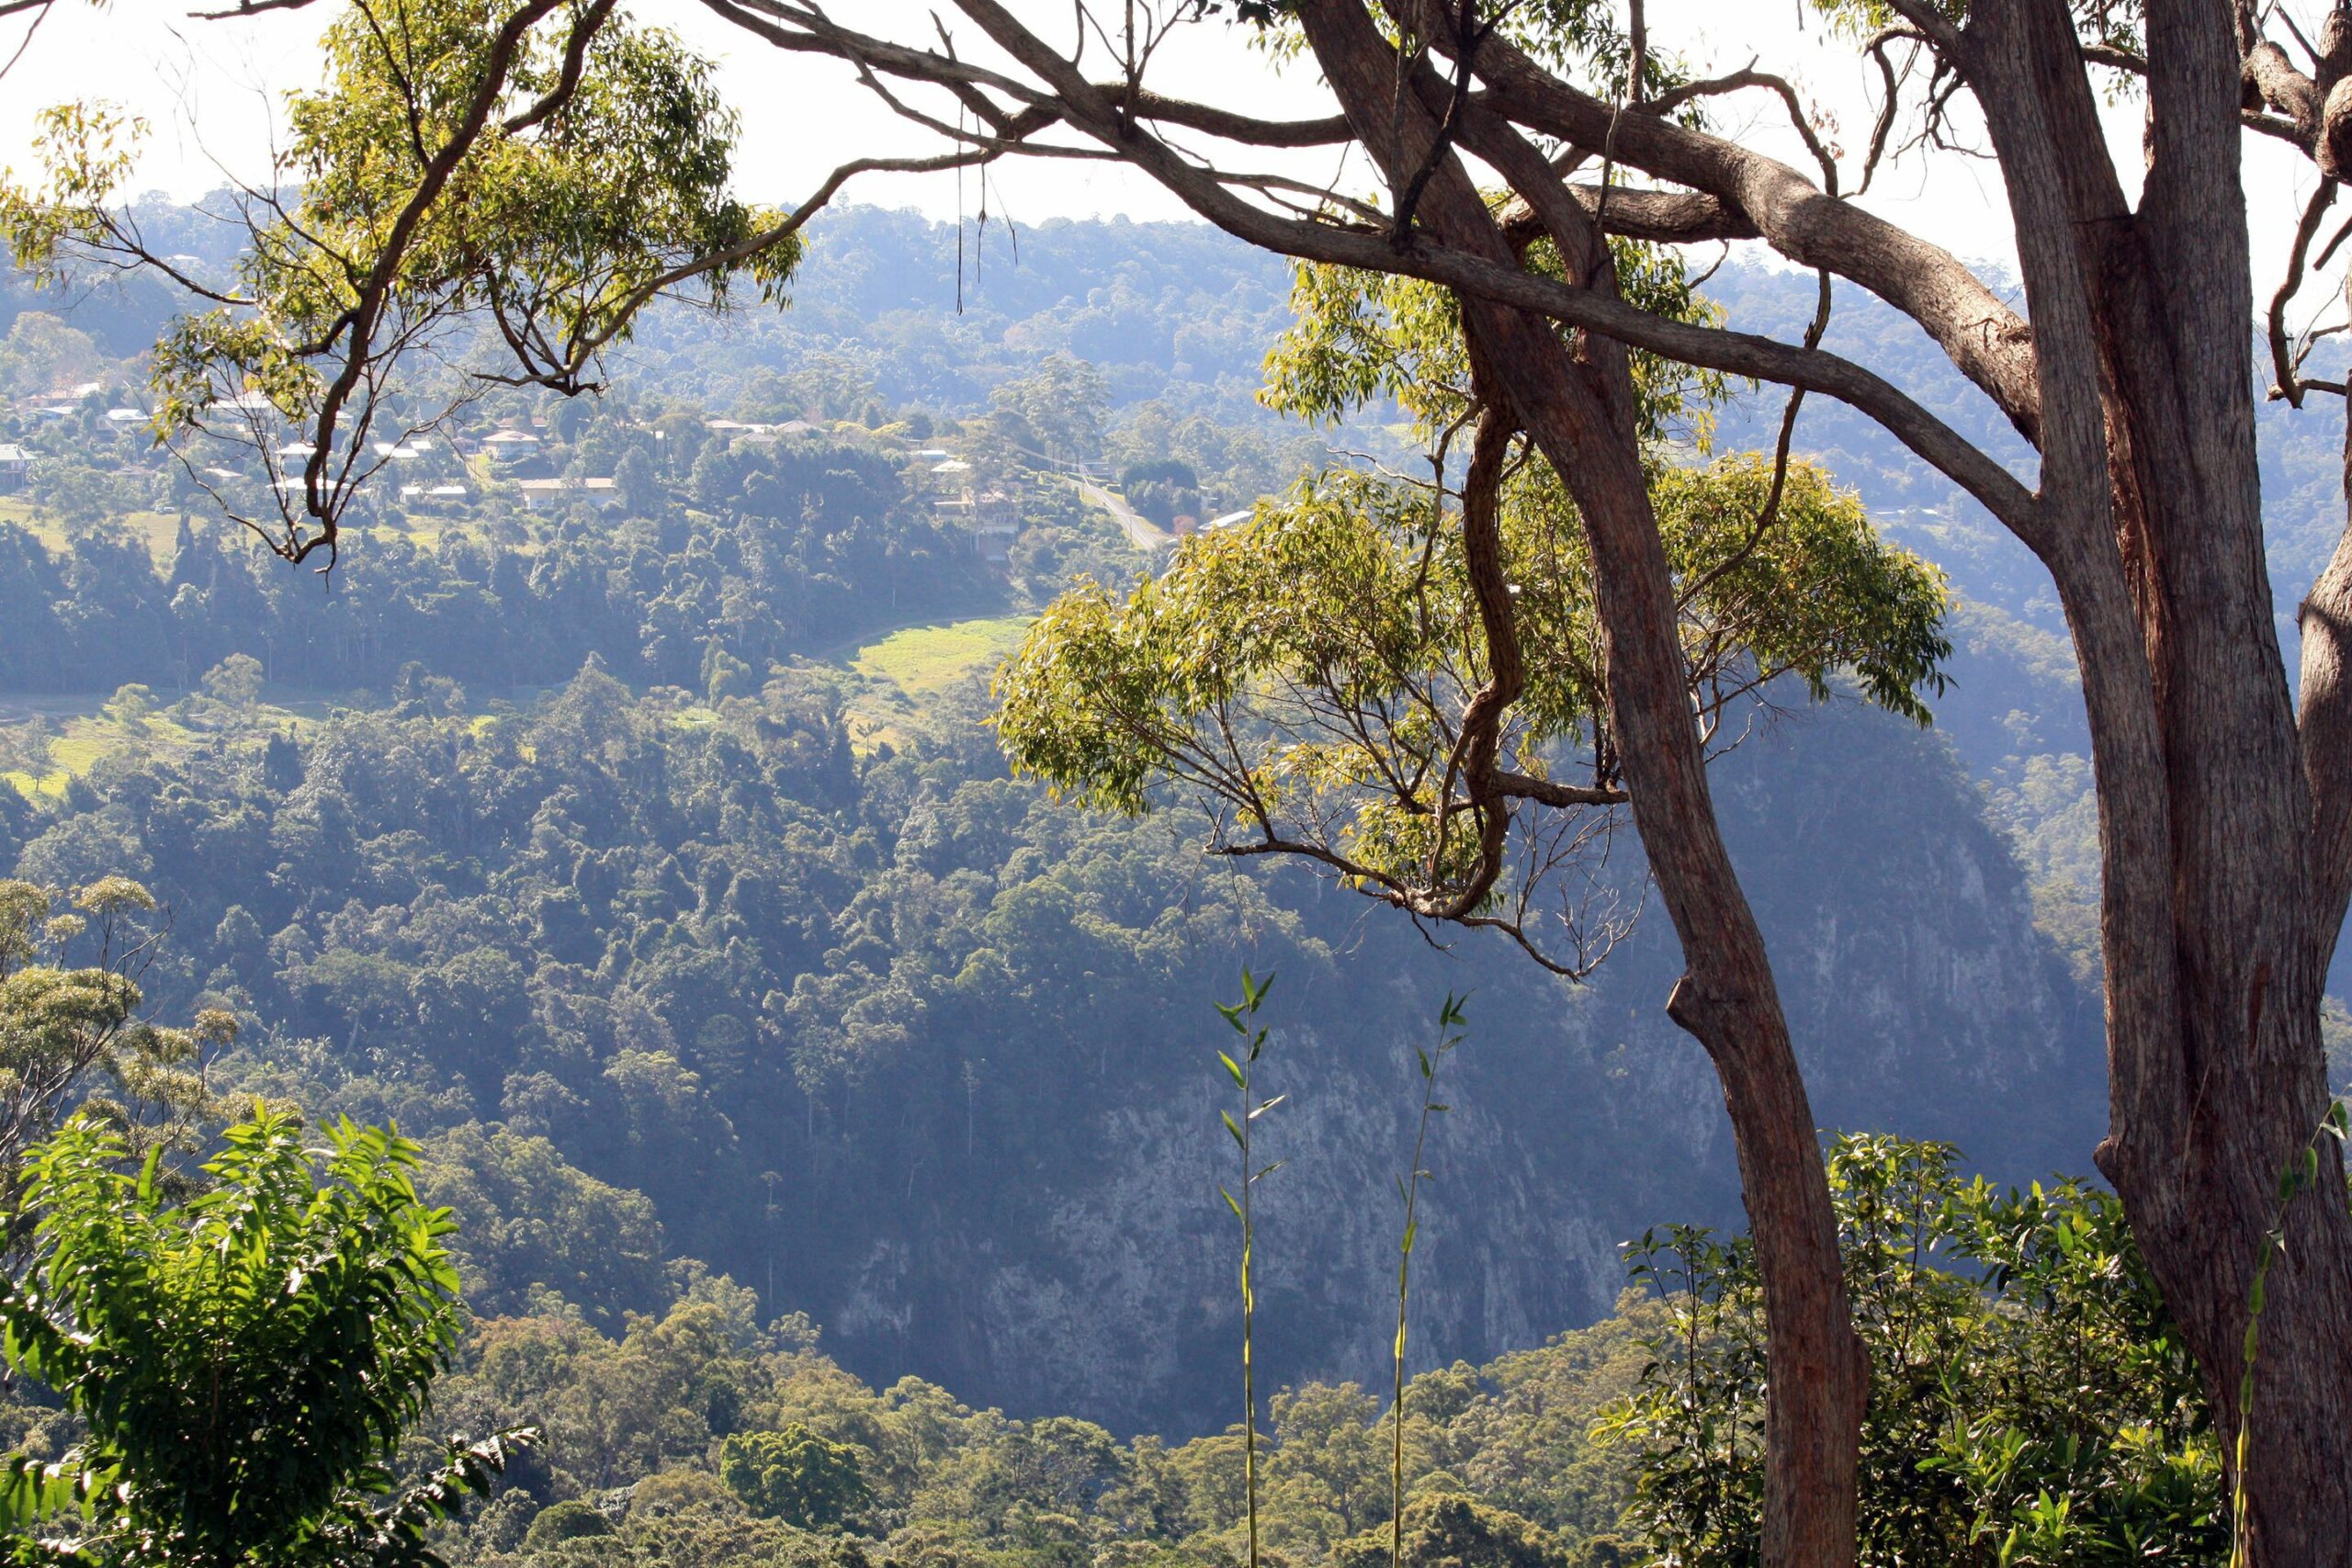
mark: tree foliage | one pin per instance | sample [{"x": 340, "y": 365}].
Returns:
[
  {"x": 530, "y": 178},
  {"x": 69, "y": 1005},
  {"x": 2031, "y": 1401},
  {"x": 794, "y": 1475},
  {"x": 1357, "y": 677},
  {"x": 1267, "y": 654},
  {"x": 246, "y": 1361}
]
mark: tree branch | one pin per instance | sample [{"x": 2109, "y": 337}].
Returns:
[
  {"x": 1986, "y": 340},
  {"x": 1090, "y": 110},
  {"x": 2284, "y": 364},
  {"x": 584, "y": 28},
  {"x": 360, "y": 321}
]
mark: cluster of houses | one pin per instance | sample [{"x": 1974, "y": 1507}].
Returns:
[
  {"x": 48, "y": 410},
  {"x": 444, "y": 472},
  {"x": 1187, "y": 524}
]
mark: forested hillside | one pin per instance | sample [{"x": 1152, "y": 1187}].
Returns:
[
  {"x": 731, "y": 945},
  {"x": 643, "y": 850},
  {"x": 928, "y": 1057}
]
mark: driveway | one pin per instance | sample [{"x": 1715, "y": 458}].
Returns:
[{"x": 1141, "y": 532}]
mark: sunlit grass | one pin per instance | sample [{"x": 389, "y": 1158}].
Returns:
[
  {"x": 915, "y": 664},
  {"x": 77, "y": 754},
  {"x": 152, "y": 530},
  {"x": 155, "y": 531},
  {"x": 32, "y": 787},
  {"x": 869, "y": 732},
  {"x": 60, "y": 738},
  {"x": 923, "y": 661}
]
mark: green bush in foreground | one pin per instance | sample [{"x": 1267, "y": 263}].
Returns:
[
  {"x": 246, "y": 1361},
  {"x": 2031, "y": 1403}
]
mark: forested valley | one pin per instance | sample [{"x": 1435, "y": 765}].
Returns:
[{"x": 830, "y": 1118}]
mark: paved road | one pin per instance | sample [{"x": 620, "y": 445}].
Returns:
[{"x": 1141, "y": 532}]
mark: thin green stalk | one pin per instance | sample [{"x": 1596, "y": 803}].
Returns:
[
  {"x": 1408, "y": 1188},
  {"x": 1242, "y": 1017},
  {"x": 2301, "y": 1173}
]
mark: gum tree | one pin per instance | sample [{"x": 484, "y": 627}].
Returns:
[{"x": 2225, "y": 800}]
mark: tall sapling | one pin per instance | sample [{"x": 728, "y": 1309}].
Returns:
[{"x": 1242, "y": 1016}]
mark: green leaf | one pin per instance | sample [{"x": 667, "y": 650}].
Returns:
[{"x": 32, "y": 1490}]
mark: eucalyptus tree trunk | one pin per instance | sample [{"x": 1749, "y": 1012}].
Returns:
[
  {"x": 1578, "y": 410},
  {"x": 2222, "y": 903}
]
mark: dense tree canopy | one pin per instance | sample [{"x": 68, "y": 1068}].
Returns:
[{"x": 1308, "y": 675}]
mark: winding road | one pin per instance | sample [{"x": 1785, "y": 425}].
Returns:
[{"x": 1141, "y": 531}]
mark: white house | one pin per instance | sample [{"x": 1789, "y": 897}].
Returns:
[
  {"x": 510, "y": 446},
  {"x": 540, "y": 494}
]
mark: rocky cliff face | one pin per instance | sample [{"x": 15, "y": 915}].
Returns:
[{"x": 1101, "y": 1281}]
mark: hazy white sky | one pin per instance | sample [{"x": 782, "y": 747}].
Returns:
[{"x": 209, "y": 89}]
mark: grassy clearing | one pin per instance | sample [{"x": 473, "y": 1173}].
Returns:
[
  {"x": 32, "y": 787},
  {"x": 56, "y": 739},
  {"x": 80, "y": 748},
  {"x": 60, "y": 748},
  {"x": 923, "y": 661},
  {"x": 157, "y": 530},
  {"x": 915, "y": 664},
  {"x": 426, "y": 530},
  {"x": 153, "y": 530}
]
